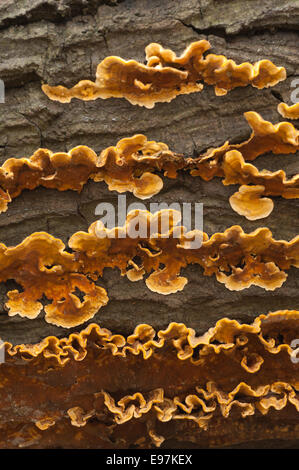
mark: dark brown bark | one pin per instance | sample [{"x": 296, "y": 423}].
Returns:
[{"x": 45, "y": 41}]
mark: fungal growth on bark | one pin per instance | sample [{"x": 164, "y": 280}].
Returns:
[
  {"x": 42, "y": 266},
  {"x": 118, "y": 166},
  {"x": 289, "y": 112},
  {"x": 129, "y": 166},
  {"x": 234, "y": 373},
  {"x": 248, "y": 202},
  {"x": 166, "y": 76},
  {"x": 173, "y": 325}
]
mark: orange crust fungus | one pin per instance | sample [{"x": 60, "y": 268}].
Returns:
[
  {"x": 236, "y": 382},
  {"x": 130, "y": 166},
  {"x": 42, "y": 266},
  {"x": 248, "y": 202},
  {"x": 126, "y": 167},
  {"x": 166, "y": 76},
  {"x": 95, "y": 389},
  {"x": 289, "y": 112},
  {"x": 262, "y": 259}
]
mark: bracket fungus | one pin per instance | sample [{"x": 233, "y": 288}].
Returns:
[
  {"x": 42, "y": 266},
  {"x": 232, "y": 383},
  {"x": 126, "y": 167},
  {"x": 130, "y": 165},
  {"x": 237, "y": 377},
  {"x": 166, "y": 76},
  {"x": 248, "y": 202},
  {"x": 262, "y": 258},
  {"x": 289, "y": 112}
]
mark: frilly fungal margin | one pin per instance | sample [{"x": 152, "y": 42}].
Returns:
[
  {"x": 42, "y": 266},
  {"x": 151, "y": 386},
  {"x": 289, "y": 112},
  {"x": 130, "y": 166},
  {"x": 166, "y": 76},
  {"x": 99, "y": 389}
]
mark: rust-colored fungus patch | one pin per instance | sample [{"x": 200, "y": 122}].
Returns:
[
  {"x": 216, "y": 70},
  {"x": 280, "y": 138},
  {"x": 248, "y": 202},
  {"x": 126, "y": 167},
  {"x": 289, "y": 112},
  {"x": 99, "y": 389},
  {"x": 42, "y": 266},
  {"x": 130, "y": 166},
  {"x": 262, "y": 259},
  {"x": 166, "y": 76}
]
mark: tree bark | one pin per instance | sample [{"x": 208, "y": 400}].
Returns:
[{"x": 45, "y": 41}]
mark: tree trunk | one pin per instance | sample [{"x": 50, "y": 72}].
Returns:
[{"x": 62, "y": 42}]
